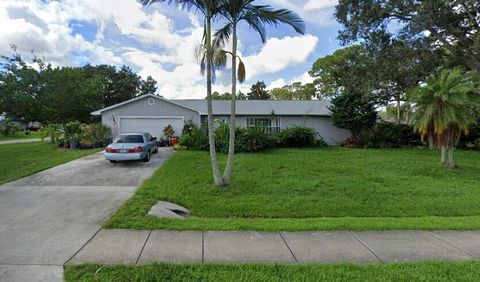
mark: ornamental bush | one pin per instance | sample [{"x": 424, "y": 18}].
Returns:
[
  {"x": 255, "y": 139},
  {"x": 10, "y": 128},
  {"x": 298, "y": 136}
]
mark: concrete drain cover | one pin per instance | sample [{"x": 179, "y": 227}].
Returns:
[{"x": 168, "y": 210}]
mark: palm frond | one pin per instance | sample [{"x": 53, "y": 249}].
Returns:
[
  {"x": 221, "y": 36},
  {"x": 268, "y": 15}
]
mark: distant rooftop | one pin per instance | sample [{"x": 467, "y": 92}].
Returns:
[{"x": 262, "y": 107}]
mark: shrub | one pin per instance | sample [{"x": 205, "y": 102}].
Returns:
[
  {"x": 222, "y": 137},
  {"x": 73, "y": 130},
  {"x": 168, "y": 131},
  {"x": 298, "y": 136},
  {"x": 255, "y": 139},
  {"x": 188, "y": 127},
  {"x": 196, "y": 139},
  {"x": 94, "y": 136},
  {"x": 390, "y": 135},
  {"x": 46, "y": 131},
  {"x": 10, "y": 128}
]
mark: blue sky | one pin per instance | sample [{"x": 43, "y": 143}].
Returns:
[{"x": 159, "y": 40}]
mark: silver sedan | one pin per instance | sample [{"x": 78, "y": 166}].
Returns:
[{"x": 132, "y": 146}]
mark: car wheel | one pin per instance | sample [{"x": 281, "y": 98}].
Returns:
[
  {"x": 147, "y": 157},
  {"x": 156, "y": 150}
]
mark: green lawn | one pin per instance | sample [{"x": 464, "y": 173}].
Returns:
[
  {"x": 314, "y": 189},
  {"x": 20, "y": 136},
  {"x": 421, "y": 271},
  {"x": 19, "y": 160}
]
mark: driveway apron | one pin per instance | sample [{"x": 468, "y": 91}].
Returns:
[{"x": 47, "y": 217}]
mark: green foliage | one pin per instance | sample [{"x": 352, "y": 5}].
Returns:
[
  {"x": 73, "y": 130},
  {"x": 47, "y": 131},
  {"x": 390, "y": 135},
  {"x": 295, "y": 91},
  {"x": 148, "y": 86},
  {"x": 222, "y": 137},
  {"x": 94, "y": 136},
  {"x": 258, "y": 91},
  {"x": 298, "y": 136},
  {"x": 195, "y": 138},
  {"x": 345, "y": 71},
  {"x": 452, "y": 26},
  {"x": 353, "y": 112},
  {"x": 188, "y": 127},
  {"x": 10, "y": 128},
  {"x": 445, "y": 106},
  {"x": 39, "y": 91},
  {"x": 255, "y": 139},
  {"x": 168, "y": 131}
]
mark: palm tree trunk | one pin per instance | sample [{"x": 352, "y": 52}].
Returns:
[
  {"x": 52, "y": 135},
  {"x": 398, "y": 111},
  {"x": 444, "y": 155},
  {"x": 217, "y": 176},
  {"x": 233, "y": 105},
  {"x": 451, "y": 163}
]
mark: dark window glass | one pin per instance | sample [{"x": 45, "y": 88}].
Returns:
[{"x": 129, "y": 139}]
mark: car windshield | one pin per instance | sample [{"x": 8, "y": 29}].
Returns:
[{"x": 129, "y": 139}]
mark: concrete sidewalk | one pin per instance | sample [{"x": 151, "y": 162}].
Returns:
[
  {"x": 140, "y": 247},
  {"x": 22, "y": 141}
]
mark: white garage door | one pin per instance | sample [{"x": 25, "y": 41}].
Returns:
[{"x": 154, "y": 125}]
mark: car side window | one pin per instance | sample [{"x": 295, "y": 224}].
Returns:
[{"x": 148, "y": 137}]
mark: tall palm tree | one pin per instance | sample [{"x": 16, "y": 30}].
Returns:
[
  {"x": 444, "y": 109},
  {"x": 257, "y": 17},
  {"x": 209, "y": 62}
]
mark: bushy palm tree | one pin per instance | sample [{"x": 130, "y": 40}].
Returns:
[
  {"x": 444, "y": 109},
  {"x": 257, "y": 17},
  {"x": 210, "y": 59}
]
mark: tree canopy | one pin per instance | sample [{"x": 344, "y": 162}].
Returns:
[
  {"x": 41, "y": 92},
  {"x": 449, "y": 28},
  {"x": 258, "y": 91}
]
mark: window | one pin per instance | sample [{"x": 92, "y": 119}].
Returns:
[
  {"x": 271, "y": 123},
  {"x": 129, "y": 139}
]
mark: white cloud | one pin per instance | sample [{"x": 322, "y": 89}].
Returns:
[
  {"x": 127, "y": 33},
  {"x": 303, "y": 78},
  {"x": 319, "y": 4},
  {"x": 276, "y": 84},
  {"x": 279, "y": 54}
]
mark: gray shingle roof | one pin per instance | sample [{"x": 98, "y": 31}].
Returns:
[{"x": 262, "y": 107}]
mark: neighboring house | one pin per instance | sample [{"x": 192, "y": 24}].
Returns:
[{"x": 152, "y": 113}]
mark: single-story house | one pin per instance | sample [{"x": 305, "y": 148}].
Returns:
[{"x": 153, "y": 113}]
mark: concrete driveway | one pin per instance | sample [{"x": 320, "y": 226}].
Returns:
[{"x": 47, "y": 217}]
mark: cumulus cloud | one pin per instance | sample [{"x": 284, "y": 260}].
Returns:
[
  {"x": 280, "y": 53},
  {"x": 319, "y": 4},
  {"x": 147, "y": 39}
]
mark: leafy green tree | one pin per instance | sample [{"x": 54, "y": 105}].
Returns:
[
  {"x": 19, "y": 87},
  {"x": 295, "y": 91},
  {"x": 281, "y": 93},
  {"x": 209, "y": 61},
  {"x": 218, "y": 96},
  {"x": 241, "y": 95},
  {"x": 258, "y": 91},
  {"x": 445, "y": 106},
  {"x": 346, "y": 70},
  {"x": 148, "y": 86},
  {"x": 353, "y": 112},
  {"x": 449, "y": 28}
]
